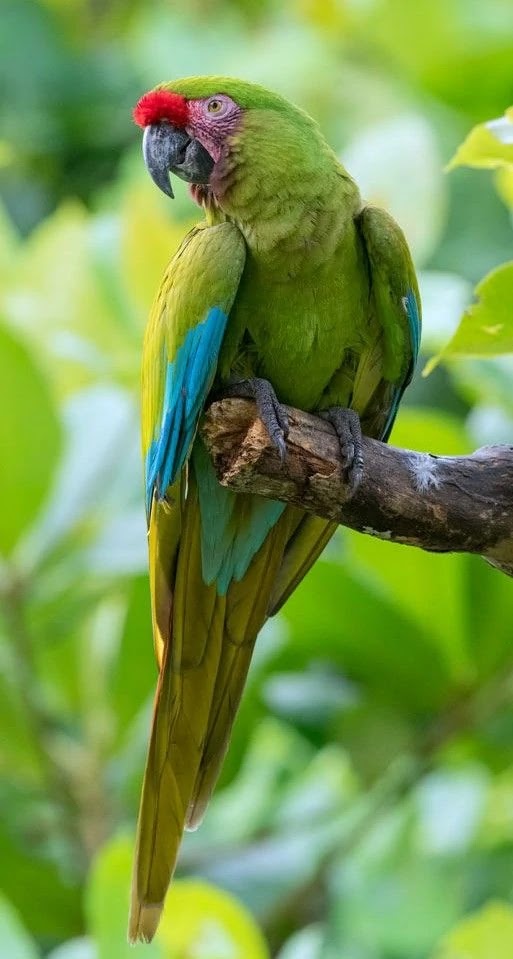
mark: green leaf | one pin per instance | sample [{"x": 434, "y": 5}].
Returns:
[
  {"x": 107, "y": 901},
  {"x": 488, "y": 934},
  {"x": 488, "y": 145},
  {"x": 203, "y": 922},
  {"x": 30, "y": 440},
  {"x": 55, "y": 912},
  {"x": 398, "y": 910},
  {"x": 145, "y": 214},
  {"x": 342, "y": 613},
  {"x": 486, "y": 328},
  {"x": 8, "y": 241},
  {"x": 64, "y": 295},
  {"x": 199, "y": 921},
  {"x": 418, "y": 586},
  {"x": 306, "y": 944},
  {"x": 75, "y": 949},
  {"x": 488, "y": 614},
  {"x": 504, "y": 184},
  {"x": 444, "y": 296},
  {"x": 15, "y": 941},
  {"x": 431, "y": 431}
]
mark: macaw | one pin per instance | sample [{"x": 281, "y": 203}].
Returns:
[{"x": 292, "y": 291}]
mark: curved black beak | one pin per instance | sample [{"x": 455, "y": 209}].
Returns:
[{"x": 166, "y": 149}]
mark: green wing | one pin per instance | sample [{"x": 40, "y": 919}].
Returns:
[{"x": 387, "y": 366}]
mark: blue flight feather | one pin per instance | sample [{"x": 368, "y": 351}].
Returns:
[
  {"x": 233, "y": 526},
  {"x": 189, "y": 377},
  {"x": 412, "y": 312}
]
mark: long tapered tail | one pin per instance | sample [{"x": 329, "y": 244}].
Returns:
[
  {"x": 182, "y": 706},
  {"x": 202, "y": 676}
]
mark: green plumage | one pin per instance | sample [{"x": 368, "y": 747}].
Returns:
[{"x": 322, "y": 301}]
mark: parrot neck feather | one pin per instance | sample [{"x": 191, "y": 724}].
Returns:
[{"x": 298, "y": 200}]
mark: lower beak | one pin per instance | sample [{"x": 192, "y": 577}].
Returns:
[{"x": 166, "y": 149}]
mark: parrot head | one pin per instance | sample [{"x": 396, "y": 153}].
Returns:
[{"x": 206, "y": 129}]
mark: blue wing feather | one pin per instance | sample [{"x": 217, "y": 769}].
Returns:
[
  {"x": 188, "y": 379},
  {"x": 233, "y": 525}
]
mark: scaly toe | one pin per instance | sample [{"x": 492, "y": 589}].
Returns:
[{"x": 346, "y": 424}]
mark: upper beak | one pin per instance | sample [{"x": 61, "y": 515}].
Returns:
[{"x": 166, "y": 149}]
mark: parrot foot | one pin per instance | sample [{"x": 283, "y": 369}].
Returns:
[
  {"x": 270, "y": 410},
  {"x": 346, "y": 424}
]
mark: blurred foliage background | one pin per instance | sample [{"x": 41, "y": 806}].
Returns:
[{"x": 366, "y": 805}]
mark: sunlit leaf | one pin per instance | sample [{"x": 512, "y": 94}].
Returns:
[
  {"x": 60, "y": 296},
  {"x": 488, "y": 934},
  {"x": 199, "y": 920},
  {"x": 9, "y": 244},
  {"x": 204, "y": 922},
  {"x": 75, "y": 949},
  {"x": 504, "y": 183},
  {"x": 497, "y": 824},
  {"x": 306, "y": 944},
  {"x": 488, "y": 145},
  {"x": 7, "y": 154},
  {"x": 502, "y": 127},
  {"x": 486, "y": 328},
  {"x": 149, "y": 238},
  {"x": 30, "y": 439},
  {"x": 15, "y": 941}
]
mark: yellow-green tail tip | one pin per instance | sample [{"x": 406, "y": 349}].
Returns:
[{"x": 143, "y": 922}]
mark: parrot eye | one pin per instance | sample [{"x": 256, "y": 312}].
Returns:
[
  {"x": 214, "y": 106},
  {"x": 219, "y": 106}
]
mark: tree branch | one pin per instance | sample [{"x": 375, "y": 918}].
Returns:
[{"x": 439, "y": 503}]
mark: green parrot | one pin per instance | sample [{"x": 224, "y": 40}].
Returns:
[{"x": 291, "y": 291}]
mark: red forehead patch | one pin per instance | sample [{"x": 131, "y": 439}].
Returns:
[{"x": 161, "y": 105}]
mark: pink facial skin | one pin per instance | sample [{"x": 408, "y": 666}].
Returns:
[
  {"x": 213, "y": 128},
  {"x": 210, "y": 120}
]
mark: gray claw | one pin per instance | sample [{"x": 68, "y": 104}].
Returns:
[
  {"x": 271, "y": 412},
  {"x": 346, "y": 424}
]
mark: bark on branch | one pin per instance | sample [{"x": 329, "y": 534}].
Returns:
[{"x": 439, "y": 503}]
